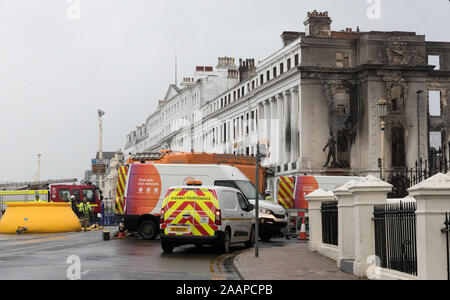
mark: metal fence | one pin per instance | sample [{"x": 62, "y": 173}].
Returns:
[
  {"x": 446, "y": 230},
  {"x": 395, "y": 236},
  {"x": 330, "y": 223},
  {"x": 402, "y": 178},
  {"x": 423, "y": 170}
]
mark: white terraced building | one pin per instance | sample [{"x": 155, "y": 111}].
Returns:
[
  {"x": 216, "y": 110},
  {"x": 322, "y": 87},
  {"x": 169, "y": 126}
]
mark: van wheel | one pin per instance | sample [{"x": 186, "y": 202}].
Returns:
[
  {"x": 251, "y": 242},
  {"x": 167, "y": 247},
  {"x": 224, "y": 244},
  {"x": 147, "y": 230}
]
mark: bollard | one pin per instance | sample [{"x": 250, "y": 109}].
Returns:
[{"x": 106, "y": 235}]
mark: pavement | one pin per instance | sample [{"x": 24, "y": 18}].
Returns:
[{"x": 287, "y": 262}]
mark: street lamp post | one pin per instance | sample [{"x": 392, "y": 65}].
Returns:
[
  {"x": 257, "y": 202},
  {"x": 38, "y": 175},
  {"x": 418, "y": 125},
  {"x": 100, "y": 113},
  {"x": 382, "y": 107},
  {"x": 259, "y": 154}
]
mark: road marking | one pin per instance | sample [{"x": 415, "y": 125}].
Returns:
[
  {"x": 31, "y": 241},
  {"x": 217, "y": 262}
]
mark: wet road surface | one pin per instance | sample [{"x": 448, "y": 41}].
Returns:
[{"x": 45, "y": 256}]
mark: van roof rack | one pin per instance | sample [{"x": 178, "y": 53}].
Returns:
[{"x": 146, "y": 156}]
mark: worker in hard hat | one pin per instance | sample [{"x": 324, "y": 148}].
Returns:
[
  {"x": 85, "y": 210},
  {"x": 37, "y": 198},
  {"x": 268, "y": 196},
  {"x": 74, "y": 205}
]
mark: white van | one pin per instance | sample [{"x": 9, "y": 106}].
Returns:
[
  {"x": 196, "y": 214},
  {"x": 147, "y": 184}
]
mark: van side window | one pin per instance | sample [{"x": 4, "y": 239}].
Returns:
[
  {"x": 230, "y": 200},
  {"x": 89, "y": 194},
  {"x": 64, "y": 195},
  {"x": 225, "y": 183},
  {"x": 76, "y": 193},
  {"x": 243, "y": 203}
]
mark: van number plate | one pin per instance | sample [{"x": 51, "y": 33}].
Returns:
[{"x": 179, "y": 229}]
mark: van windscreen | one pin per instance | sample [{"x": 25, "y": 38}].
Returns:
[{"x": 246, "y": 187}]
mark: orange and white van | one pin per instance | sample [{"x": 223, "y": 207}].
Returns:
[
  {"x": 199, "y": 215},
  {"x": 147, "y": 185}
]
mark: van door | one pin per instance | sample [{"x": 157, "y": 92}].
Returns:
[
  {"x": 246, "y": 217},
  {"x": 231, "y": 213},
  {"x": 206, "y": 206},
  {"x": 179, "y": 212},
  {"x": 236, "y": 219}
]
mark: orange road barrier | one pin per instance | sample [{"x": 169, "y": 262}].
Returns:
[{"x": 39, "y": 218}]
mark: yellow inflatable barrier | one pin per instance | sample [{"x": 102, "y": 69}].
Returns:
[{"x": 39, "y": 218}]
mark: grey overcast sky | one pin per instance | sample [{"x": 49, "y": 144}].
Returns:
[{"x": 55, "y": 71}]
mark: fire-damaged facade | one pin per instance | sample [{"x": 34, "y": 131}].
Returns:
[{"x": 345, "y": 74}]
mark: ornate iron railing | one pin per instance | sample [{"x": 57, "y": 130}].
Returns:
[{"x": 395, "y": 236}]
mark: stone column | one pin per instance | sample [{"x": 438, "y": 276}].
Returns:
[
  {"x": 305, "y": 116},
  {"x": 315, "y": 200},
  {"x": 346, "y": 224},
  {"x": 267, "y": 119},
  {"x": 294, "y": 125},
  {"x": 242, "y": 118},
  {"x": 279, "y": 133},
  {"x": 255, "y": 125},
  {"x": 237, "y": 122},
  {"x": 229, "y": 133},
  {"x": 285, "y": 124},
  {"x": 368, "y": 192},
  {"x": 273, "y": 131},
  {"x": 239, "y": 127},
  {"x": 433, "y": 201},
  {"x": 260, "y": 122}
]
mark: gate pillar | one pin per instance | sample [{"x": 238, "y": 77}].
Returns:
[{"x": 433, "y": 201}]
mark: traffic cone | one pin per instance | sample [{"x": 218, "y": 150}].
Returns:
[
  {"x": 303, "y": 235},
  {"x": 122, "y": 234}
]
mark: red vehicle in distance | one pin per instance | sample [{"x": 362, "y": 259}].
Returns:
[{"x": 62, "y": 193}]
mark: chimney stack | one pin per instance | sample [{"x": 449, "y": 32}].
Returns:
[
  {"x": 247, "y": 69},
  {"x": 318, "y": 24},
  {"x": 226, "y": 63},
  {"x": 289, "y": 36}
]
